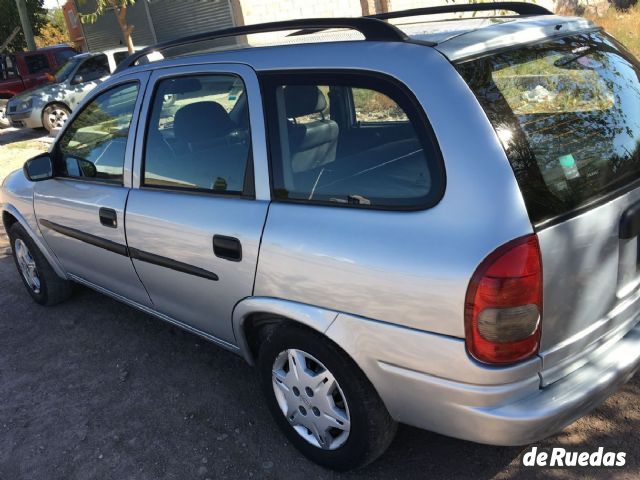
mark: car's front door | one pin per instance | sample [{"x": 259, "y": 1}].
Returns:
[
  {"x": 195, "y": 215},
  {"x": 81, "y": 210}
]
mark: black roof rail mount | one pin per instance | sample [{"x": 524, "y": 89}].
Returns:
[
  {"x": 372, "y": 28},
  {"x": 521, "y": 8}
]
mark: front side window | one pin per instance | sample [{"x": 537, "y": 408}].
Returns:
[
  {"x": 93, "y": 68},
  {"x": 198, "y": 135},
  {"x": 346, "y": 139},
  {"x": 36, "y": 63},
  {"x": 568, "y": 115},
  {"x": 93, "y": 146}
]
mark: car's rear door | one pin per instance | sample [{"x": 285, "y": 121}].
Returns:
[
  {"x": 81, "y": 210},
  {"x": 568, "y": 114},
  {"x": 195, "y": 215}
]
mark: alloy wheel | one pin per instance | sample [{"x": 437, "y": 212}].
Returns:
[{"x": 57, "y": 117}]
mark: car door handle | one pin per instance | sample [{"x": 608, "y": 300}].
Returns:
[
  {"x": 108, "y": 217},
  {"x": 228, "y": 248}
]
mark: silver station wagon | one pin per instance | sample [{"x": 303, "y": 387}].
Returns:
[{"x": 430, "y": 222}]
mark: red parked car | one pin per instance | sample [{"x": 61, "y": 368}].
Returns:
[{"x": 23, "y": 70}]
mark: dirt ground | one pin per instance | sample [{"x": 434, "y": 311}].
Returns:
[{"x": 18, "y": 145}]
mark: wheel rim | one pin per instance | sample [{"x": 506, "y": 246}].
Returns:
[
  {"x": 27, "y": 266},
  {"x": 57, "y": 116},
  {"x": 311, "y": 399}
]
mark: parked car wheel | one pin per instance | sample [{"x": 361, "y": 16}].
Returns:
[
  {"x": 42, "y": 282},
  {"x": 321, "y": 400},
  {"x": 55, "y": 116},
  {"x": 4, "y": 120}
]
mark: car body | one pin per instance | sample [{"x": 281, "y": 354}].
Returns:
[
  {"x": 25, "y": 70},
  {"x": 72, "y": 82},
  {"x": 465, "y": 300}
]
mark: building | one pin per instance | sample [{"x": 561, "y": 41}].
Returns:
[{"x": 159, "y": 20}]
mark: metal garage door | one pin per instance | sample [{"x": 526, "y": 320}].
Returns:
[
  {"x": 173, "y": 19},
  {"x": 105, "y": 33}
]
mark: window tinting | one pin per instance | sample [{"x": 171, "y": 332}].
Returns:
[
  {"x": 198, "y": 134},
  {"x": 94, "y": 68},
  {"x": 323, "y": 153},
  {"x": 375, "y": 107},
  {"x": 568, "y": 115},
  {"x": 119, "y": 56},
  {"x": 36, "y": 63},
  {"x": 93, "y": 147}
]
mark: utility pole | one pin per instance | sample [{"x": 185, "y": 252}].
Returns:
[{"x": 26, "y": 26}]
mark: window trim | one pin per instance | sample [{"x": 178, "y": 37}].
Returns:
[
  {"x": 270, "y": 79},
  {"x": 55, "y": 151},
  {"x": 248, "y": 185}
]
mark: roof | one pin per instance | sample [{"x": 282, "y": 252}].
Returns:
[
  {"x": 458, "y": 39},
  {"x": 462, "y": 39}
]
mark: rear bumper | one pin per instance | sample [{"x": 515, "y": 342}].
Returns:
[
  {"x": 463, "y": 399},
  {"x": 556, "y": 406}
]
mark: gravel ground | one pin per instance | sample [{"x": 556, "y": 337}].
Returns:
[{"x": 92, "y": 389}]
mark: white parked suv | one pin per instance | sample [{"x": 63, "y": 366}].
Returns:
[{"x": 50, "y": 105}]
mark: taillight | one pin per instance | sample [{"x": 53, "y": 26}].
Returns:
[{"x": 503, "y": 307}]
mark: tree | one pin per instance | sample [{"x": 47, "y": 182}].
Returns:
[
  {"x": 10, "y": 19},
  {"x": 54, "y": 31},
  {"x": 119, "y": 8}
]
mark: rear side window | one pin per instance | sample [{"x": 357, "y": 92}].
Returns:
[
  {"x": 36, "y": 63},
  {"x": 568, "y": 115},
  {"x": 350, "y": 140}
]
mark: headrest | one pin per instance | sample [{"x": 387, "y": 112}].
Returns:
[
  {"x": 301, "y": 100},
  {"x": 201, "y": 121}
]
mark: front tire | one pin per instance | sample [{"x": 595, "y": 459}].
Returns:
[
  {"x": 321, "y": 400},
  {"x": 55, "y": 116},
  {"x": 41, "y": 281}
]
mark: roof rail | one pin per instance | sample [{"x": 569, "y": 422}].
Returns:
[
  {"x": 373, "y": 29},
  {"x": 521, "y": 8}
]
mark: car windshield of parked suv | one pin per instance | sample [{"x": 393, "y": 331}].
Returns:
[
  {"x": 568, "y": 115},
  {"x": 65, "y": 70}
]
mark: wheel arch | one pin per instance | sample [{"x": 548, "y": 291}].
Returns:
[
  {"x": 10, "y": 216},
  {"x": 252, "y": 314}
]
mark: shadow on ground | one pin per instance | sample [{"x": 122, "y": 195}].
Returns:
[
  {"x": 94, "y": 389},
  {"x": 13, "y": 135}
]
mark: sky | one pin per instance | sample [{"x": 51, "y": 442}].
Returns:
[{"x": 53, "y": 3}]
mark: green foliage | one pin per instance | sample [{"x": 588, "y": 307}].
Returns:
[
  {"x": 10, "y": 19},
  {"x": 56, "y": 18},
  {"x": 101, "y": 7}
]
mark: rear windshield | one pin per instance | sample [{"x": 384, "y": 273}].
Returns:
[{"x": 568, "y": 115}]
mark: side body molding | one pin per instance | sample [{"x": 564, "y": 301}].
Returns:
[
  {"x": 319, "y": 319},
  {"x": 38, "y": 240}
]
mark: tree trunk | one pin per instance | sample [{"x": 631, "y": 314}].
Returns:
[{"x": 127, "y": 30}]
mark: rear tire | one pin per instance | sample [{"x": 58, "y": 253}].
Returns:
[
  {"x": 4, "y": 120},
  {"x": 55, "y": 116},
  {"x": 41, "y": 281},
  {"x": 314, "y": 426}
]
